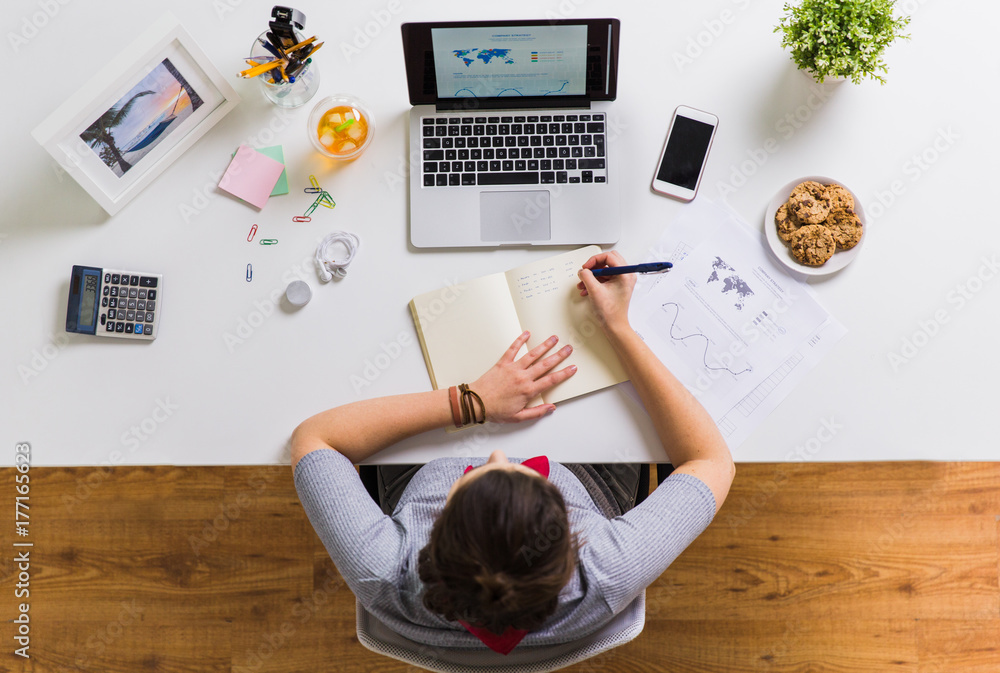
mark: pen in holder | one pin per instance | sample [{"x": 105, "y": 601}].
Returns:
[{"x": 299, "y": 87}]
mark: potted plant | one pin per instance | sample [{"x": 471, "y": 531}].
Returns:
[{"x": 840, "y": 39}]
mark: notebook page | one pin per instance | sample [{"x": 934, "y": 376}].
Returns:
[
  {"x": 547, "y": 302},
  {"x": 465, "y": 328}
]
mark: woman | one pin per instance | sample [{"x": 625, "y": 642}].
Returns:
[{"x": 468, "y": 553}]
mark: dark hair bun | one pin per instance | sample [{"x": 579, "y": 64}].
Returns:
[{"x": 497, "y": 590}]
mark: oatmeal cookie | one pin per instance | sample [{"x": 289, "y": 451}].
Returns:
[
  {"x": 839, "y": 197},
  {"x": 786, "y": 223},
  {"x": 813, "y": 245},
  {"x": 845, "y": 227},
  {"x": 808, "y": 202}
]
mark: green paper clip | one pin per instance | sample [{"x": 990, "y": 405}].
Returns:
[
  {"x": 311, "y": 209},
  {"x": 324, "y": 199},
  {"x": 269, "y": 241}
]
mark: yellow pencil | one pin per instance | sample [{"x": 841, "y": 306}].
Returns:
[
  {"x": 301, "y": 44},
  {"x": 260, "y": 69},
  {"x": 313, "y": 51}
]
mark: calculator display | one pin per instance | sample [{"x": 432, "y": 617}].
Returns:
[{"x": 88, "y": 300}]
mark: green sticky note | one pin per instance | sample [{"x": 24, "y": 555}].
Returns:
[{"x": 276, "y": 153}]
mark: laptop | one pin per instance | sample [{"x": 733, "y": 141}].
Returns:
[{"x": 509, "y": 133}]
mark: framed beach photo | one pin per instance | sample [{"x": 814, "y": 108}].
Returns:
[{"x": 137, "y": 115}]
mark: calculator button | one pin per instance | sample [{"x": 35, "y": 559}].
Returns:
[
  {"x": 104, "y": 319},
  {"x": 140, "y": 305},
  {"x": 104, "y": 302},
  {"x": 149, "y": 316},
  {"x": 133, "y": 292},
  {"x": 134, "y": 280},
  {"x": 139, "y": 329},
  {"x": 151, "y": 294},
  {"x": 150, "y": 305},
  {"x": 131, "y": 303},
  {"x": 114, "y": 291},
  {"x": 106, "y": 290},
  {"x": 115, "y": 278},
  {"x": 110, "y": 326},
  {"x": 113, "y": 303},
  {"x": 140, "y": 316},
  {"x": 119, "y": 327},
  {"x": 128, "y": 328},
  {"x": 112, "y": 313},
  {"x": 142, "y": 294},
  {"x": 130, "y": 315},
  {"x": 148, "y": 281}
]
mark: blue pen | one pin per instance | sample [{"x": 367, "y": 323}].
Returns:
[{"x": 652, "y": 267}]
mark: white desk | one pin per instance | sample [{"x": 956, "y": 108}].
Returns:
[{"x": 930, "y": 134}]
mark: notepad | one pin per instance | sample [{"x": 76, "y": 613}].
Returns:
[
  {"x": 464, "y": 329},
  {"x": 251, "y": 176}
]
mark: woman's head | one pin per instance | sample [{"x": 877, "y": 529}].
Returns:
[{"x": 500, "y": 551}]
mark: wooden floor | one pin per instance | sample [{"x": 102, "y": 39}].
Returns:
[{"x": 807, "y": 568}]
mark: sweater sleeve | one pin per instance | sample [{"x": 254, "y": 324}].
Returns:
[
  {"x": 626, "y": 554},
  {"x": 364, "y": 543}
]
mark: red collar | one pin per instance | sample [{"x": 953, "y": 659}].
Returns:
[
  {"x": 503, "y": 643},
  {"x": 539, "y": 464},
  {"x": 509, "y": 639}
]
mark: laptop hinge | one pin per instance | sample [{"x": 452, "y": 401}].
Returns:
[{"x": 512, "y": 102}]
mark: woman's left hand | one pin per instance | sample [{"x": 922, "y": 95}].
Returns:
[{"x": 508, "y": 387}]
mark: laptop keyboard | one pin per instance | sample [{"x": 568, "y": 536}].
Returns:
[{"x": 513, "y": 150}]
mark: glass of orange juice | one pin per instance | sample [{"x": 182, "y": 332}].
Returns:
[{"x": 341, "y": 126}]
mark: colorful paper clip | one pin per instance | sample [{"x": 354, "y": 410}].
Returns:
[
  {"x": 315, "y": 189},
  {"x": 249, "y": 272},
  {"x": 302, "y": 218},
  {"x": 269, "y": 241},
  {"x": 311, "y": 209},
  {"x": 253, "y": 232},
  {"x": 326, "y": 200}
]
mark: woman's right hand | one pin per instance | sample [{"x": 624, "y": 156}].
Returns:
[{"x": 609, "y": 295}]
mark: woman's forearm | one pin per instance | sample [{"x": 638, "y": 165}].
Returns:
[
  {"x": 361, "y": 429},
  {"x": 685, "y": 429}
]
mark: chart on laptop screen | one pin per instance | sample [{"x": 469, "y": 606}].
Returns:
[{"x": 487, "y": 62}]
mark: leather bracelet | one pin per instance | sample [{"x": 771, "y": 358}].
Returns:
[
  {"x": 456, "y": 409},
  {"x": 469, "y": 402}
]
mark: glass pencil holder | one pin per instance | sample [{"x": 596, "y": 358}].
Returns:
[{"x": 286, "y": 94}]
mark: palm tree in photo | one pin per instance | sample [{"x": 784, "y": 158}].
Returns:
[{"x": 99, "y": 133}]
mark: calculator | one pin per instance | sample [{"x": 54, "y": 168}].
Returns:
[{"x": 113, "y": 302}]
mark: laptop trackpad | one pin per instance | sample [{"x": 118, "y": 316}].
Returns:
[{"x": 514, "y": 216}]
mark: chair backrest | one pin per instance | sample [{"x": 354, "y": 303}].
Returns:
[{"x": 377, "y": 637}]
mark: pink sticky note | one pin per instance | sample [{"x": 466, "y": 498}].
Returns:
[{"x": 251, "y": 176}]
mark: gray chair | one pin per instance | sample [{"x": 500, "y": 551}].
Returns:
[{"x": 378, "y": 638}]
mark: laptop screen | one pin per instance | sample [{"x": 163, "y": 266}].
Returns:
[
  {"x": 510, "y": 61},
  {"x": 507, "y": 64}
]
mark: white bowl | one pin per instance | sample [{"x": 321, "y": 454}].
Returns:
[{"x": 783, "y": 253}]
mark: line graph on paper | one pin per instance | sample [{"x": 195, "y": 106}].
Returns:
[{"x": 700, "y": 339}]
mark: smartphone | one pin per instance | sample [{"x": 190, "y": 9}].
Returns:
[{"x": 682, "y": 161}]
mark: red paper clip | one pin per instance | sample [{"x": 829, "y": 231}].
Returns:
[
  {"x": 253, "y": 232},
  {"x": 301, "y": 218}
]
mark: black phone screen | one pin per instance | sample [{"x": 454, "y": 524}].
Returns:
[{"x": 687, "y": 147}]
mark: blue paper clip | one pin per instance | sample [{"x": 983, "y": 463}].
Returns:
[
  {"x": 269, "y": 241},
  {"x": 313, "y": 190},
  {"x": 249, "y": 272}
]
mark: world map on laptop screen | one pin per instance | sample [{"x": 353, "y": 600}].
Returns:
[{"x": 487, "y": 62}]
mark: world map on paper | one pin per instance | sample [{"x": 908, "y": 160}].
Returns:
[
  {"x": 731, "y": 282},
  {"x": 469, "y": 56}
]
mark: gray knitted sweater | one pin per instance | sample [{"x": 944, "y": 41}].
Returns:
[{"x": 377, "y": 554}]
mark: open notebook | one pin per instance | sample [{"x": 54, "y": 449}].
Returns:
[{"x": 464, "y": 329}]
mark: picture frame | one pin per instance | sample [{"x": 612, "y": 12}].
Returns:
[{"x": 137, "y": 115}]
